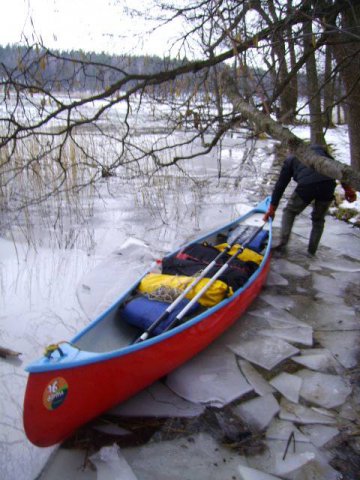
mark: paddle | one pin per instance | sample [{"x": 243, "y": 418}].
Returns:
[{"x": 196, "y": 280}]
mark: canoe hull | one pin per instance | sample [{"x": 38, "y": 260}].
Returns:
[{"x": 57, "y": 402}]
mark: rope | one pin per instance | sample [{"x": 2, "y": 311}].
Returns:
[{"x": 50, "y": 349}]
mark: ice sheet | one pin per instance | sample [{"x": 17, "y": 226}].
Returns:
[
  {"x": 170, "y": 459},
  {"x": 304, "y": 415},
  {"x": 323, "y": 389},
  {"x": 344, "y": 345},
  {"x": 288, "y": 385},
  {"x": 266, "y": 352},
  {"x": 258, "y": 412},
  {"x": 283, "y": 430},
  {"x": 319, "y": 359},
  {"x": 319, "y": 434},
  {"x": 213, "y": 377},
  {"x": 248, "y": 473},
  {"x": 260, "y": 385},
  {"x": 111, "y": 464}
]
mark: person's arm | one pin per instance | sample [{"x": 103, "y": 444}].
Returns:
[{"x": 283, "y": 181}]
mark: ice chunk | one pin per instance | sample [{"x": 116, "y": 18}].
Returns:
[
  {"x": 282, "y": 430},
  {"x": 301, "y": 335},
  {"x": 197, "y": 457},
  {"x": 285, "y": 267},
  {"x": 288, "y": 385},
  {"x": 63, "y": 464},
  {"x": 212, "y": 377},
  {"x": 331, "y": 316},
  {"x": 318, "y": 359},
  {"x": 319, "y": 434},
  {"x": 323, "y": 389},
  {"x": 292, "y": 462},
  {"x": 280, "y": 302},
  {"x": 275, "y": 279},
  {"x": 304, "y": 415},
  {"x": 341, "y": 264},
  {"x": 345, "y": 346},
  {"x": 111, "y": 465},
  {"x": 264, "y": 351},
  {"x": 252, "y": 474},
  {"x": 258, "y": 412},
  {"x": 261, "y": 386},
  {"x": 327, "y": 285},
  {"x": 157, "y": 401}
]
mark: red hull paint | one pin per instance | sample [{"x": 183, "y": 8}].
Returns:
[{"x": 96, "y": 387}]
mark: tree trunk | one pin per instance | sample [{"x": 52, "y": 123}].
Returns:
[
  {"x": 329, "y": 90},
  {"x": 347, "y": 54},
  {"x": 316, "y": 125}
]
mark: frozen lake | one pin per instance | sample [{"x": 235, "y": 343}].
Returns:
[{"x": 289, "y": 362}]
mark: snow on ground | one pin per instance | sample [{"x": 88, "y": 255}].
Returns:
[{"x": 304, "y": 329}]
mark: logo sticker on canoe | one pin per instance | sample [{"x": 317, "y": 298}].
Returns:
[{"x": 55, "y": 393}]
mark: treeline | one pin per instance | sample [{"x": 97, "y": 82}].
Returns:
[
  {"x": 89, "y": 71},
  {"x": 75, "y": 70}
]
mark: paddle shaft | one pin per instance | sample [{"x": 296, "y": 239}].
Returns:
[
  {"x": 212, "y": 264},
  {"x": 226, "y": 265}
]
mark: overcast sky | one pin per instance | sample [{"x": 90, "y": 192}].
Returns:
[{"x": 90, "y": 25}]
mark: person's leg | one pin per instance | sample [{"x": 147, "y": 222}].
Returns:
[
  {"x": 294, "y": 206},
  {"x": 320, "y": 209}
]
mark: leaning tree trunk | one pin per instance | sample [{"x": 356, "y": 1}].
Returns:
[
  {"x": 347, "y": 55},
  {"x": 316, "y": 125}
]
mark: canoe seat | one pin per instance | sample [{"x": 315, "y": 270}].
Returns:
[{"x": 142, "y": 312}]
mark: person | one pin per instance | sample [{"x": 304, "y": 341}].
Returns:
[{"x": 312, "y": 187}]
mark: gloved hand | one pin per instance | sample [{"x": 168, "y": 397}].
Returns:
[
  {"x": 270, "y": 213},
  {"x": 350, "y": 194}
]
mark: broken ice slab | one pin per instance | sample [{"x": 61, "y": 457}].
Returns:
[
  {"x": 266, "y": 352},
  {"x": 258, "y": 412},
  {"x": 280, "y": 302},
  {"x": 284, "y": 325},
  {"x": 319, "y": 434},
  {"x": 304, "y": 415},
  {"x": 195, "y": 457},
  {"x": 68, "y": 464},
  {"x": 260, "y": 385},
  {"x": 345, "y": 346},
  {"x": 306, "y": 462},
  {"x": 288, "y": 385},
  {"x": 284, "y": 267},
  {"x": 111, "y": 464},
  {"x": 248, "y": 473},
  {"x": 300, "y": 335},
  {"x": 157, "y": 401},
  {"x": 327, "y": 286},
  {"x": 292, "y": 462},
  {"x": 283, "y": 430},
  {"x": 331, "y": 316},
  {"x": 339, "y": 264},
  {"x": 275, "y": 279},
  {"x": 212, "y": 377},
  {"x": 319, "y": 359},
  {"x": 324, "y": 389}
]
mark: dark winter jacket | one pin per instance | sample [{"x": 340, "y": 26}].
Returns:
[{"x": 311, "y": 184}]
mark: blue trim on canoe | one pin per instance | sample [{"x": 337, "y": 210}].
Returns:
[{"x": 73, "y": 357}]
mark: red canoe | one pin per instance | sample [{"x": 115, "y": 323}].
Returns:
[{"x": 102, "y": 366}]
